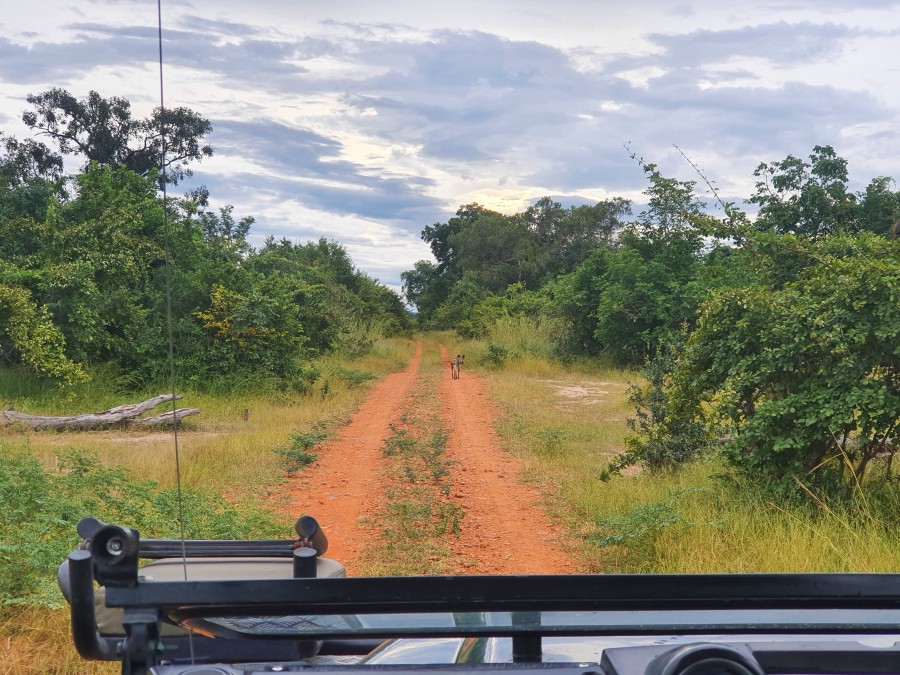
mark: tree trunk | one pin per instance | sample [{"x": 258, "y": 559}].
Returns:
[{"x": 123, "y": 415}]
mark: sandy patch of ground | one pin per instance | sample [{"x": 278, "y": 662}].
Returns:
[{"x": 587, "y": 392}]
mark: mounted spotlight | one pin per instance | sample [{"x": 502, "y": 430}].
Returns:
[{"x": 114, "y": 550}]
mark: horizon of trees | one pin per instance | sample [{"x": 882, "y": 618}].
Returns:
[
  {"x": 773, "y": 339},
  {"x": 83, "y": 262}
]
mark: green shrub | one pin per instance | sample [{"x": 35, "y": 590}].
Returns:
[
  {"x": 353, "y": 377},
  {"x": 636, "y": 533},
  {"x": 496, "y": 355},
  {"x": 41, "y": 508},
  {"x": 666, "y": 436},
  {"x": 400, "y": 442},
  {"x": 298, "y": 455}
]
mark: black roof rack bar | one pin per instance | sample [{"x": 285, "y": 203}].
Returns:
[
  {"x": 88, "y": 641},
  {"x": 521, "y": 593},
  {"x": 202, "y": 548}
]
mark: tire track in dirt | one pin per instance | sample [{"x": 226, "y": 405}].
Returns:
[
  {"x": 503, "y": 531},
  {"x": 343, "y": 484}
]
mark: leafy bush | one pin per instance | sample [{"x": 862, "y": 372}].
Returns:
[
  {"x": 667, "y": 435},
  {"x": 298, "y": 455},
  {"x": 303, "y": 379},
  {"x": 354, "y": 377},
  {"x": 356, "y": 345},
  {"x": 806, "y": 377},
  {"x": 496, "y": 355},
  {"x": 41, "y": 508},
  {"x": 551, "y": 440}
]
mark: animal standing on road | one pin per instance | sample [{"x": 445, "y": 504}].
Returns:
[{"x": 455, "y": 365}]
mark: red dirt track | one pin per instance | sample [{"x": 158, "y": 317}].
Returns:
[
  {"x": 503, "y": 530},
  {"x": 343, "y": 485}
]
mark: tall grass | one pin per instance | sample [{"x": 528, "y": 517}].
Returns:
[
  {"x": 516, "y": 337},
  {"x": 229, "y": 446},
  {"x": 38, "y": 640}
]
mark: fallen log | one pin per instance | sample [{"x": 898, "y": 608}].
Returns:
[
  {"x": 123, "y": 415},
  {"x": 165, "y": 418}
]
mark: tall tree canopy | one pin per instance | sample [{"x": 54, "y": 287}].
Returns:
[
  {"x": 812, "y": 199},
  {"x": 103, "y": 130},
  {"x": 493, "y": 251}
]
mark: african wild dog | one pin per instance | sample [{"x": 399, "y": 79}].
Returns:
[{"x": 455, "y": 365}]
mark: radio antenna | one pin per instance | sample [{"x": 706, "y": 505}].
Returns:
[{"x": 168, "y": 275}]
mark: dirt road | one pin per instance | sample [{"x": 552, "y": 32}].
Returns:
[{"x": 503, "y": 531}]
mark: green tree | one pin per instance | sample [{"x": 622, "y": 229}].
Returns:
[
  {"x": 879, "y": 207},
  {"x": 25, "y": 161},
  {"x": 103, "y": 130},
  {"x": 495, "y": 251},
  {"x": 460, "y": 305},
  {"x": 30, "y": 178},
  {"x": 89, "y": 261},
  {"x": 259, "y": 331},
  {"x": 805, "y": 379},
  {"x": 425, "y": 288},
  {"x": 439, "y": 237},
  {"x": 575, "y": 296},
  {"x": 97, "y": 263},
  {"x": 651, "y": 290},
  {"x": 562, "y": 238},
  {"x": 808, "y": 199},
  {"x": 335, "y": 299},
  {"x": 628, "y": 300}
]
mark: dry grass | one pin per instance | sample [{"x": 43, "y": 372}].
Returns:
[
  {"x": 37, "y": 640},
  {"x": 228, "y": 447}
]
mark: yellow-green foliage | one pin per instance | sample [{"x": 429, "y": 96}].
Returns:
[{"x": 39, "y": 342}]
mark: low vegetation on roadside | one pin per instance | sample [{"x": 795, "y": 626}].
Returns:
[
  {"x": 231, "y": 480},
  {"x": 49, "y": 480}
]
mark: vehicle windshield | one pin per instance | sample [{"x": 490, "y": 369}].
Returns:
[
  {"x": 742, "y": 622},
  {"x": 506, "y": 289}
]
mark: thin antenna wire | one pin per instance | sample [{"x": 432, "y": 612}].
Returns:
[{"x": 162, "y": 164}]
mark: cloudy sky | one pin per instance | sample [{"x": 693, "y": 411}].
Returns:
[{"x": 365, "y": 121}]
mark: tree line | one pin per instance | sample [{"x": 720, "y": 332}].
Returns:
[
  {"x": 772, "y": 339},
  {"x": 85, "y": 257}
]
